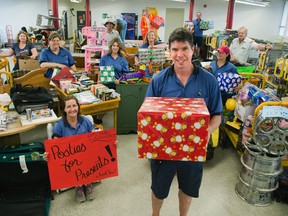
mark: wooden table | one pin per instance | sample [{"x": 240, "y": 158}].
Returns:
[
  {"x": 97, "y": 108},
  {"x": 11, "y": 136}
]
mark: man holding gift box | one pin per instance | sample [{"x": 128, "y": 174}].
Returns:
[
  {"x": 198, "y": 33},
  {"x": 184, "y": 80}
]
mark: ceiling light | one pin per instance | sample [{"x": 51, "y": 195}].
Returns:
[
  {"x": 76, "y": 1},
  {"x": 259, "y": 3},
  {"x": 178, "y": 0}
]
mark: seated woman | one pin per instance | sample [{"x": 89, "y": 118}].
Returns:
[
  {"x": 222, "y": 65},
  {"x": 55, "y": 56},
  {"x": 21, "y": 49},
  {"x": 115, "y": 58},
  {"x": 150, "y": 41},
  {"x": 72, "y": 123}
]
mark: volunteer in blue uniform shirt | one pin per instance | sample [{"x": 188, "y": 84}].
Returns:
[
  {"x": 222, "y": 64},
  {"x": 151, "y": 41},
  {"x": 72, "y": 123},
  {"x": 182, "y": 79},
  {"x": 21, "y": 49},
  {"x": 55, "y": 56},
  {"x": 115, "y": 58},
  {"x": 198, "y": 33}
]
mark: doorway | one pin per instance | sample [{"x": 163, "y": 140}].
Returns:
[{"x": 175, "y": 18}]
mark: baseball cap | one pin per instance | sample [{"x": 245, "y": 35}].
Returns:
[
  {"x": 110, "y": 20},
  {"x": 224, "y": 49}
]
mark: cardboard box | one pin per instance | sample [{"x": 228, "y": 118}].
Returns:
[
  {"x": 173, "y": 129},
  {"x": 28, "y": 64},
  {"x": 242, "y": 112}
]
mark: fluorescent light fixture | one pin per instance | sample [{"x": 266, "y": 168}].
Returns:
[
  {"x": 178, "y": 0},
  {"x": 76, "y": 1},
  {"x": 254, "y": 2}
]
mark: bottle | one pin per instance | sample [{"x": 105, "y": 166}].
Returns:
[{"x": 49, "y": 130}]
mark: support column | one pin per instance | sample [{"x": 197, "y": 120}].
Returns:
[
  {"x": 230, "y": 14},
  {"x": 54, "y": 7},
  {"x": 191, "y": 8},
  {"x": 87, "y": 13}
]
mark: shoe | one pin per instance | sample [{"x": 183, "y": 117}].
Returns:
[
  {"x": 90, "y": 195},
  {"x": 80, "y": 196}
]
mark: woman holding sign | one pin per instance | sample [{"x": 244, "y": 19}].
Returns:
[{"x": 72, "y": 123}]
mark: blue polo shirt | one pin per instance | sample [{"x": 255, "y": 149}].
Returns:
[
  {"x": 228, "y": 67},
  {"x": 199, "y": 85},
  {"x": 62, "y": 128},
  {"x": 145, "y": 46},
  {"x": 63, "y": 57},
  {"x": 197, "y": 31},
  {"x": 120, "y": 64}
]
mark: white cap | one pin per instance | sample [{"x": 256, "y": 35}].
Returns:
[{"x": 110, "y": 20}]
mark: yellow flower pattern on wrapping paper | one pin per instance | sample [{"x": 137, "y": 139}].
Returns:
[
  {"x": 157, "y": 143},
  {"x": 179, "y": 126},
  {"x": 168, "y": 115},
  {"x": 160, "y": 127}
]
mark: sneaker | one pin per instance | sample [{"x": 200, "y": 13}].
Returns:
[
  {"x": 89, "y": 192},
  {"x": 80, "y": 196}
]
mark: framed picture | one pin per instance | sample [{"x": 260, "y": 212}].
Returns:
[{"x": 81, "y": 19}]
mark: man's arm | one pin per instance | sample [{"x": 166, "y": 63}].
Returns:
[
  {"x": 264, "y": 47},
  {"x": 215, "y": 122}
]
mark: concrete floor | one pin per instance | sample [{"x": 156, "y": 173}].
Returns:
[{"x": 129, "y": 193}]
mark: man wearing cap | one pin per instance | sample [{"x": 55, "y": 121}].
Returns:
[
  {"x": 111, "y": 32},
  {"x": 241, "y": 46}
]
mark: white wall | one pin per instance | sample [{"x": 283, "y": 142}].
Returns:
[
  {"x": 18, "y": 13},
  {"x": 262, "y": 23}
]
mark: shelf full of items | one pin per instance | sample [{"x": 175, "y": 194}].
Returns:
[{"x": 246, "y": 121}]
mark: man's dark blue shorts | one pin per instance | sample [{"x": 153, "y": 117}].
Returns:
[
  {"x": 198, "y": 41},
  {"x": 189, "y": 175}
]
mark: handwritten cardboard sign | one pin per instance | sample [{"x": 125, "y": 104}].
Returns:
[{"x": 81, "y": 159}]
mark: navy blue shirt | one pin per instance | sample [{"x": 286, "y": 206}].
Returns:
[
  {"x": 20, "y": 53},
  {"x": 62, "y": 128},
  {"x": 63, "y": 57},
  {"x": 197, "y": 31},
  {"x": 120, "y": 64},
  {"x": 228, "y": 67},
  {"x": 199, "y": 85}
]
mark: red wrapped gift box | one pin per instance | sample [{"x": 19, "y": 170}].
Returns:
[
  {"x": 157, "y": 22},
  {"x": 173, "y": 129}
]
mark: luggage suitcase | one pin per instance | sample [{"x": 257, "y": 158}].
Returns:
[{"x": 24, "y": 181}]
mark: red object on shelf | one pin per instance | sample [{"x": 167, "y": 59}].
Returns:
[{"x": 173, "y": 129}]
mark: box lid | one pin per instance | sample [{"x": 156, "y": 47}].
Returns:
[{"x": 174, "y": 105}]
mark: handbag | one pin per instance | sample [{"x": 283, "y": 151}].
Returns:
[{"x": 24, "y": 97}]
